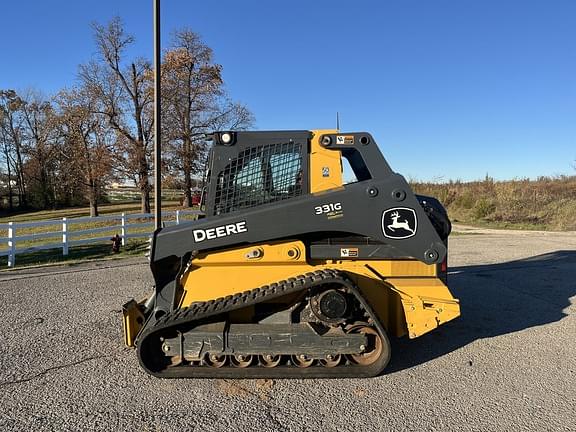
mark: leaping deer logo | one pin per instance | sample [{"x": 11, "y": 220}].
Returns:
[{"x": 396, "y": 223}]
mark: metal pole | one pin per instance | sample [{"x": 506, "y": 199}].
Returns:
[{"x": 157, "y": 120}]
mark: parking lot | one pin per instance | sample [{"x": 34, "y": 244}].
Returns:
[{"x": 508, "y": 363}]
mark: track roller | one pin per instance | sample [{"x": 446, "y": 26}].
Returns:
[
  {"x": 269, "y": 360},
  {"x": 302, "y": 360}
]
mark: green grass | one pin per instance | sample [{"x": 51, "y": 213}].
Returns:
[
  {"x": 77, "y": 254},
  {"x": 90, "y": 251},
  {"x": 104, "y": 209}
]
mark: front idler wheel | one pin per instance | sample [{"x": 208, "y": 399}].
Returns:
[{"x": 372, "y": 351}]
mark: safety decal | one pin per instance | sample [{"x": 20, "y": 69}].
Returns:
[
  {"x": 399, "y": 223},
  {"x": 349, "y": 252},
  {"x": 345, "y": 139}
]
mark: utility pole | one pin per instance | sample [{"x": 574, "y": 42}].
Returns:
[{"x": 157, "y": 120}]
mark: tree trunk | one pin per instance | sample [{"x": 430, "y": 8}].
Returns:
[
  {"x": 10, "y": 193},
  {"x": 54, "y": 195},
  {"x": 145, "y": 198},
  {"x": 22, "y": 196},
  {"x": 44, "y": 189},
  {"x": 144, "y": 185},
  {"x": 187, "y": 184},
  {"x": 93, "y": 198},
  {"x": 144, "y": 181},
  {"x": 93, "y": 207},
  {"x": 19, "y": 167},
  {"x": 187, "y": 193}
]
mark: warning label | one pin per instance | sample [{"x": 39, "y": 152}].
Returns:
[
  {"x": 345, "y": 139},
  {"x": 349, "y": 252}
]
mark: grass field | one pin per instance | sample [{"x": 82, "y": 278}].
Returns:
[
  {"x": 104, "y": 209},
  {"x": 78, "y": 253},
  {"x": 546, "y": 203}
]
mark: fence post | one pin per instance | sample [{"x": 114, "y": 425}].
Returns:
[
  {"x": 64, "y": 237},
  {"x": 124, "y": 228},
  {"x": 11, "y": 244},
  {"x": 177, "y": 217}
]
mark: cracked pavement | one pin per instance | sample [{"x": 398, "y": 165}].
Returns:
[{"x": 507, "y": 364}]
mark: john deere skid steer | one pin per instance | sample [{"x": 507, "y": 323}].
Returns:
[{"x": 293, "y": 273}]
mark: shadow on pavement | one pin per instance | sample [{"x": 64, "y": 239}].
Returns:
[{"x": 496, "y": 299}]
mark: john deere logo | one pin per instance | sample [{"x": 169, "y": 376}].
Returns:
[{"x": 399, "y": 223}]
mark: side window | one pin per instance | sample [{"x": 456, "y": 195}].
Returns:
[
  {"x": 260, "y": 175},
  {"x": 286, "y": 172},
  {"x": 348, "y": 175},
  {"x": 250, "y": 176}
]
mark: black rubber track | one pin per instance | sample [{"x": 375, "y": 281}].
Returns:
[{"x": 153, "y": 360}]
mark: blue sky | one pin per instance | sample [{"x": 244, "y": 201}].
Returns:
[{"x": 450, "y": 89}]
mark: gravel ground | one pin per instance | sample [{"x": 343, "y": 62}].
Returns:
[{"x": 507, "y": 364}]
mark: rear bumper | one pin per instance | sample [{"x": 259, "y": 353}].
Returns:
[{"x": 427, "y": 303}]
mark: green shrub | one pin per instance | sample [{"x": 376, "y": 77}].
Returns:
[
  {"x": 465, "y": 200},
  {"x": 483, "y": 208},
  {"x": 545, "y": 203}
]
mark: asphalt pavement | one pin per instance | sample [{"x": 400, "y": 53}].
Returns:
[{"x": 509, "y": 363}]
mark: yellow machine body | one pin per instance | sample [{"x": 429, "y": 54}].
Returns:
[{"x": 407, "y": 295}]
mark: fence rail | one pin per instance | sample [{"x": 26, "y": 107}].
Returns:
[{"x": 69, "y": 236}]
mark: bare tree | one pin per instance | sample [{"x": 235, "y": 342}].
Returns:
[
  {"x": 7, "y": 162},
  {"x": 194, "y": 103},
  {"x": 40, "y": 141},
  {"x": 62, "y": 151},
  {"x": 87, "y": 143},
  {"x": 12, "y": 126},
  {"x": 123, "y": 93}
]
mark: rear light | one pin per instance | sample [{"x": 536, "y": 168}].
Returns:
[
  {"x": 442, "y": 270},
  {"x": 444, "y": 265}
]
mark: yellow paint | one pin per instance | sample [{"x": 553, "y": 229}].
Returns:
[
  {"x": 406, "y": 294},
  {"x": 321, "y": 158},
  {"x": 218, "y": 274},
  {"x": 427, "y": 303},
  {"x": 132, "y": 320}
]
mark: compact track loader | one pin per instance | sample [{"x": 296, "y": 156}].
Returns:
[{"x": 293, "y": 273}]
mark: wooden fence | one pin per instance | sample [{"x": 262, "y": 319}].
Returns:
[{"x": 68, "y": 237}]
